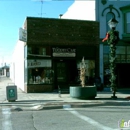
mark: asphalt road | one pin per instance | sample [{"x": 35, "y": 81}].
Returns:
[
  {"x": 67, "y": 118},
  {"x": 48, "y": 111}
]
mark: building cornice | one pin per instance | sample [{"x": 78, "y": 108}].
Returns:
[
  {"x": 125, "y": 9},
  {"x": 110, "y": 7}
]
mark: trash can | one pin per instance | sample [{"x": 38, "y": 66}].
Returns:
[{"x": 11, "y": 92}]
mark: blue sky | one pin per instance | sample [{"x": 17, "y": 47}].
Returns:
[{"x": 13, "y": 14}]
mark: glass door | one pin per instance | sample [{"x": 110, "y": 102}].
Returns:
[{"x": 61, "y": 70}]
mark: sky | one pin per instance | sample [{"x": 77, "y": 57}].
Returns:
[{"x": 13, "y": 14}]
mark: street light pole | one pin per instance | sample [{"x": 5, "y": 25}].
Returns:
[{"x": 112, "y": 38}]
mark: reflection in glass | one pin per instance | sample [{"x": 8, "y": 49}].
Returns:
[
  {"x": 90, "y": 71},
  {"x": 40, "y": 75}
]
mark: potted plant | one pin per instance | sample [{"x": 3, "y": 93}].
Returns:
[{"x": 83, "y": 91}]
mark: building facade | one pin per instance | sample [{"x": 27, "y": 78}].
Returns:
[
  {"x": 105, "y": 10},
  {"x": 51, "y": 56},
  {"x": 119, "y": 9},
  {"x": 5, "y": 71}
]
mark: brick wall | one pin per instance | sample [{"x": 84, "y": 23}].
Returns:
[{"x": 50, "y": 31}]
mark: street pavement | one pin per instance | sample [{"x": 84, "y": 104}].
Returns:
[{"x": 54, "y": 100}]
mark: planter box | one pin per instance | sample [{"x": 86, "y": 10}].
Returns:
[{"x": 89, "y": 92}]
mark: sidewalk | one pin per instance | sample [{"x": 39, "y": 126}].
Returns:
[{"x": 48, "y": 100}]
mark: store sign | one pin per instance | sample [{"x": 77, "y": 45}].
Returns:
[
  {"x": 63, "y": 52},
  {"x": 39, "y": 63},
  {"x": 11, "y": 93},
  {"x": 22, "y": 35}
]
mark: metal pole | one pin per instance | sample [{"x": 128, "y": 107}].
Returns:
[
  {"x": 112, "y": 69},
  {"x": 112, "y": 38},
  {"x": 59, "y": 91}
]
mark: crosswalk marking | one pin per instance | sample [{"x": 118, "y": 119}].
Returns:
[
  {"x": 85, "y": 118},
  {"x": 6, "y": 119}
]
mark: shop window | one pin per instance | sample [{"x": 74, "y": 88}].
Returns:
[
  {"x": 128, "y": 22},
  {"x": 128, "y": 49},
  {"x": 106, "y": 75},
  {"x": 39, "y": 51},
  {"x": 40, "y": 72},
  {"x": 90, "y": 66},
  {"x": 40, "y": 75},
  {"x": 90, "y": 70},
  {"x": 128, "y": 58},
  {"x": 123, "y": 58},
  {"x": 106, "y": 58},
  {"x": 118, "y": 58},
  {"x": 106, "y": 49},
  {"x": 120, "y": 50}
]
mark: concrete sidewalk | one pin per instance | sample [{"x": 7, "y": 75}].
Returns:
[{"x": 39, "y": 101}]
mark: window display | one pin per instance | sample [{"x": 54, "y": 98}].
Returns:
[
  {"x": 40, "y": 72},
  {"x": 39, "y": 51},
  {"x": 90, "y": 71},
  {"x": 40, "y": 75},
  {"x": 90, "y": 66}
]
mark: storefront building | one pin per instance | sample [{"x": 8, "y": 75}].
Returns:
[
  {"x": 53, "y": 52},
  {"x": 5, "y": 71},
  {"x": 103, "y": 11},
  {"x": 121, "y": 11}
]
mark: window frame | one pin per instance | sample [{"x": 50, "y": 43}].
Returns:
[
  {"x": 125, "y": 10},
  {"x": 44, "y": 71}
]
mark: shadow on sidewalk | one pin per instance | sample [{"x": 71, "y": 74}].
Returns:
[{"x": 124, "y": 91}]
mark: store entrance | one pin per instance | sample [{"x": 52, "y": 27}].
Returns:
[
  {"x": 123, "y": 71},
  {"x": 65, "y": 73}
]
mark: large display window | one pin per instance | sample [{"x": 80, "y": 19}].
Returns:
[
  {"x": 40, "y": 51},
  {"x": 90, "y": 67},
  {"x": 40, "y": 72},
  {"x": 90, "y": 71}
]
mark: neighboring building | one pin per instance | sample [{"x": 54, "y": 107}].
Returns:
[
  {"x": 51, "y": 56},
  {"x": 0, "y": 71},
  {"x": 5, "y": 71},
  {"x": 17, "y": 65},
  {"x": 104, "y": 11},
  {"x": 120, "y": 9}
]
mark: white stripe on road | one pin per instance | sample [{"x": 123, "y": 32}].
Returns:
[
  {"x": 6, "y": 120},
  {"x": 85, "y": 118}
]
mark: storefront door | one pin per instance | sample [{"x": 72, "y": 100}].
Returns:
[
  {"x": 65, "y": 73},
  {"x": 60, "y": 78},
  {"x": 61, "y": 70},
  {"x": 123, "y": 79}
]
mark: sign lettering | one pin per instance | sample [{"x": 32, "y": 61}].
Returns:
[{"x": 64, "y": 52}]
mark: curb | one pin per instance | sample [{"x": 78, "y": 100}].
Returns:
[{"x": 61, "y": 105}]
